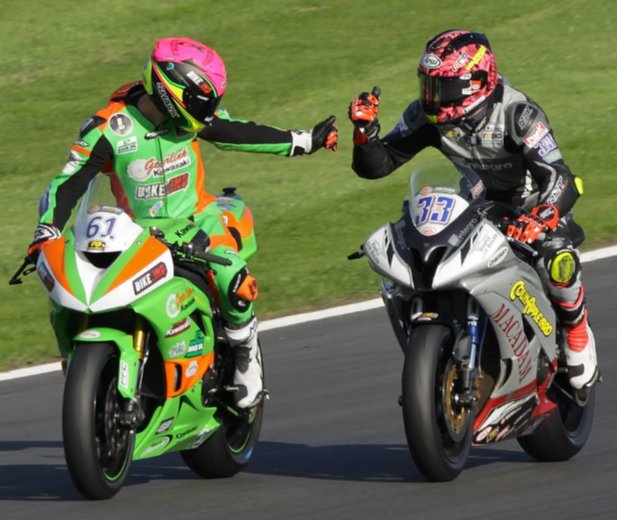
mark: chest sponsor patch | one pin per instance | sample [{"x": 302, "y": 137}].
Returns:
[
  {"x": 159, "y": 190},
  {"x": 492, "y": 136},
  {"x": 127, "y": 145},
  {"x": 143, "y": 169},
  {"x": 121, "y": 124}
]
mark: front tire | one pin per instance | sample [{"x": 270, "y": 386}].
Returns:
[
  {"x": 564, "y": 433},
  {"x": 98, "y": 450},
  {"x": 438, "y": 432}
]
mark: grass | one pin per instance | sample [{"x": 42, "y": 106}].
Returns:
[{"x": 291, "y": 63}]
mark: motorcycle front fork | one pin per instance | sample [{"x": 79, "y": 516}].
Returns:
[
  {"x": 466, "y": 355},
  {"x": 403, "y": 308}
]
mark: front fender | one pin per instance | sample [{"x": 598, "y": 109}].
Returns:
[{"x": 128, "y": 365}]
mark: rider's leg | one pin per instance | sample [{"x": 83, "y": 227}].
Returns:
[
  {"x": 561, "y": 269},
  {"x": 236, "y": 290}
]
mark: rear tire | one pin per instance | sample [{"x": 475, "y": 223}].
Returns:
[
  {"x": 438, "y": 434},
  {"x": 564, "y": 433},
  {"x": 228, "y": 450},
  {"x": 98, "y": 450}
]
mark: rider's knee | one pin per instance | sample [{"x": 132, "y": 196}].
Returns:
[{"x": 563, "y": 267}]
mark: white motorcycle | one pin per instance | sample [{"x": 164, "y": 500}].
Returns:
[{"x": 484, "y": 360}]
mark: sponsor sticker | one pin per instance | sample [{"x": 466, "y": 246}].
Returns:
[
  {"x": 553, "y": 156},
  {"x": 177, "y": 328},
  {"x": 121, "y": 124},
  {"x": 498, "y": 257},
  {"x": 143, "y": 169},
  {"x": 177, "y": 349},
  {"x": 536, "y": 134},
  {"x": 127, "y": 145},
  {"x": 149, "y": 278},
  {"x": 546, "y": 145},
  {"x": 124, "y": 374},
  {"x": 430, "y": 61},
  {"x": 191, "y": 370},
  {"x": 165, "y": 425},
  {"x": 160, "y": 190},
  {"x": 90, "y": 334}
]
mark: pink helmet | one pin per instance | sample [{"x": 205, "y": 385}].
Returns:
[
  {"x": 457, "y": 73},
  {"x": 186, "y": 81}
]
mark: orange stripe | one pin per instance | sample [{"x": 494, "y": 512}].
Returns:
[
  {"x": 203, "y": 197},
  {"x": 147, "y": 253},
  {"x": 54, "y": 254},
  {"x": 79, "y": 149}
]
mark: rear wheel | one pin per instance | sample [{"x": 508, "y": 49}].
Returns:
[
  {"x": 564, "y": 433},
  {"x": 98, "y": 449},
  {"x": 438, "y": 430},
  {"x": 231, "y": 447}
]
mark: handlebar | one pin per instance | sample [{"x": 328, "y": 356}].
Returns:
[
  {"x": 189, "y": 253},
  {"x": 521, "y": 246}
]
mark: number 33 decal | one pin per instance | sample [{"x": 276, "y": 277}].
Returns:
[{"x": 436, "y": 209}]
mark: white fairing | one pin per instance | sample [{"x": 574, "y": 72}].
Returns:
[
  {"x": 105, "y": 229},
  {"x": 383, "y": 258},
  {"x": 126, "y": 293},
  {"x": 487, "y": 251}
]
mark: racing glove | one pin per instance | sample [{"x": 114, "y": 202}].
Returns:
[
  {"x": 363, "y": 114},
  {"x": 323, "y": 135},
  {"x": 42, "y": 235},
  {"x": 528, "y": 228}
]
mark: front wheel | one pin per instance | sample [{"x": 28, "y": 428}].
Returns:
[
  {"x": 438, "y": 431},
  {"x": 97, "y": 448}
]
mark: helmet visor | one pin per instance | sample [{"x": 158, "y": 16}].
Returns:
[
  {"x": 199, "y": 105},
  {"x": 438, "y": 92}
]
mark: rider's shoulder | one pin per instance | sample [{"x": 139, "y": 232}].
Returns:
[
  {"x": 523, "y": 115},
  {"x": 127, "y": 91}
]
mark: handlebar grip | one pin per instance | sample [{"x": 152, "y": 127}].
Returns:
[{"x": 213, "y": 259}]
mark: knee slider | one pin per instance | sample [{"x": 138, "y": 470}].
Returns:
[
  {"x": 243, "y": 290},
  {"x": 563, "y": 267}
]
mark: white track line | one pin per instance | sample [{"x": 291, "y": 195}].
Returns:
[{"x": 277, "y": 323}]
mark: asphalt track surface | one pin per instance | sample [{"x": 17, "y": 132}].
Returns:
[{"x": 332, "y": 444}]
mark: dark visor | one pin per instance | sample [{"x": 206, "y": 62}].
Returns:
[
  {"x": 438, "y": 92},
  {"x": 200, "y": 105}
]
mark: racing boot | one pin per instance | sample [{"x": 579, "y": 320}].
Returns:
[
  {"x": 579, "y": 343},
  {"x": 248, "y": 377},
  {"x": 580, "y": 349}
]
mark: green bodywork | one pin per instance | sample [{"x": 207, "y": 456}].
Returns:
[{"x": 179, "y": 315}]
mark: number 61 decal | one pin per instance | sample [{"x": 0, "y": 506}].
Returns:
[
  {"x": 434, "y": 208},
  {"x": 99, "y": 227}
]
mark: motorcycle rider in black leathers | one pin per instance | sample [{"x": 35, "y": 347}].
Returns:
[{"x": 477, "y": 119}]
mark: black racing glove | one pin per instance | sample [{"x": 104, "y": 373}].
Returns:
[
  {"x": 323, "y": 135},
  {"x": 42, "y": 235}
]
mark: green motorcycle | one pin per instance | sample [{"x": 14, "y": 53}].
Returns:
[{"x": 149, "y": 369}]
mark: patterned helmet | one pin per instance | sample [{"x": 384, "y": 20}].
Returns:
[
  {"x": 457, "y": 73},
  {"x": 186, "y": 80}
]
